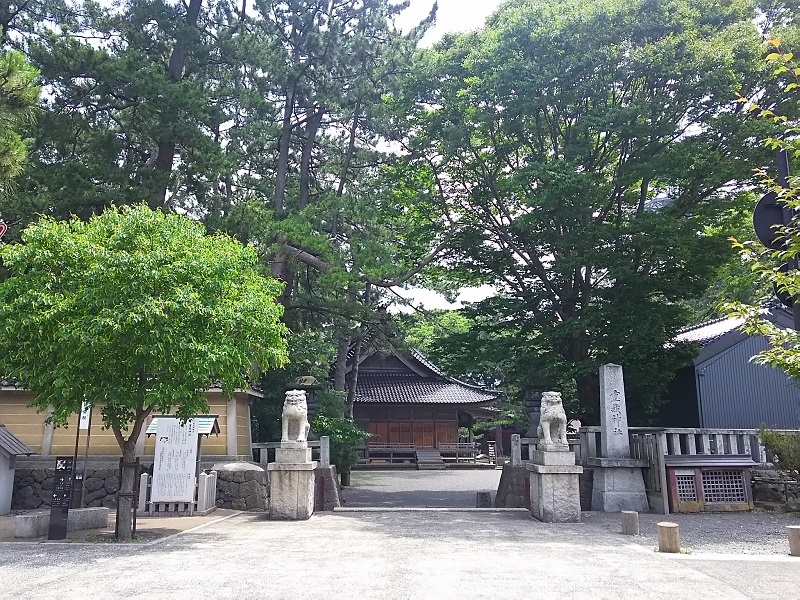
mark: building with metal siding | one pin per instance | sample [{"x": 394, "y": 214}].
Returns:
[{"x": 724, "y": 388}]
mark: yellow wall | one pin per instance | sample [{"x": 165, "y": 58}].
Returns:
[{"x": 28, "y": 425}]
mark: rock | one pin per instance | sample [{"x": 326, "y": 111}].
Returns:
[
  {"x": 109, "y": 501},
  {"x": 238, "y": 504},
  {"x": 97, "y": 494},
  {"x": 31, "y": 503},
  {"x": 39, "y": 475},
  {"x": 112, "y": 484},
  {"x": 93, "y": 484},
  {"x": 26, "y": 481}
]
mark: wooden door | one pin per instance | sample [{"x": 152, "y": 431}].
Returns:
[
  {"x": 424, "y": 434},
  {"x": 379, "y": 429},
  {"x": 446, "y": 433}
]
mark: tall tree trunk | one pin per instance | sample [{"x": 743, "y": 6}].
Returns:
[
  {"x": 340, "y": 368},
  {"x": 282, "y": 168},
  {"x": 353, "y": 379},
  {"x": 126, "y": 487},
  {"x": 166, "y": 147},
  {"x": 305, "y": 164}
]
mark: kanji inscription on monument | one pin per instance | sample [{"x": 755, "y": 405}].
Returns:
[{"x": 613, "y": 413}]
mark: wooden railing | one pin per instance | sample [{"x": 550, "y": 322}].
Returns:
[
  {"x": 392, "y": 453},
  {"x": 462, "y": 451},
  {"x": 654, "y": 443}
]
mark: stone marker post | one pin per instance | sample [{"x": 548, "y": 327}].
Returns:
[
  {"x": 325, "y": 451},
  {"x": 618, "y": 483},
  {"x": 516, "y": 450}
]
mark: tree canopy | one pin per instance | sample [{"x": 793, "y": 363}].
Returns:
[{"x": 135, "y": 311}]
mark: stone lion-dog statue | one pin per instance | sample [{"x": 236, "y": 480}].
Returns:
[
  {"x": 553, "y": 422},
  {"x": 295, "y": 409}
]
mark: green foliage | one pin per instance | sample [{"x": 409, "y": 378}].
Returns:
[
  {"x": 345, "y": 438},
  {"x": 588, "y": 152},
  {"x": 784, "y": 449},
  {"x": 19, "y": 95},
  {"x": 136, "y": 311},
  {"x": 784, "y": 344}
]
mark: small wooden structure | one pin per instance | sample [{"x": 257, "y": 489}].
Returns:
[{"x": 715, "y": 482}]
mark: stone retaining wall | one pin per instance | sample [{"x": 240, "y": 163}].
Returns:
[
  {"x": 33, "y": 488},
  {"x": 241, "y": 486}
]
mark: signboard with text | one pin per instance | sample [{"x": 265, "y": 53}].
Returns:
[
  {"x": 62, "y": 497},
  {"x": 175, "y": 464}
]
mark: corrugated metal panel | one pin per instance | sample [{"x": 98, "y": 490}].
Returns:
[
  {"x": 12, "y": 444},
  {"x": 738, "y": 394}
]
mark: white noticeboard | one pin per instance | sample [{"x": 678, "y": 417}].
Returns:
[
  {"x": 175, "y": 462},
  {"x": 86, "y": 412}
]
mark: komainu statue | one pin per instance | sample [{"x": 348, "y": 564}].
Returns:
[
  {"x": 295, "y": 410},
  {"x": 553, "y": 423}
]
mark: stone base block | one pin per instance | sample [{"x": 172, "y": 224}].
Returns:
[
  {"x": 615, "y": 489},
  {"x": 553, "y": 447},
  {"x": 292, "y": 455},
  {"x": 550, "y": 458},
  {"x": 294, "y": 445},
  {"x": 36, "y": 525},
  {"x": 554, "y": 493},
  {"x": 328, "y": 495},
  {"x": 291, "y": 491}
]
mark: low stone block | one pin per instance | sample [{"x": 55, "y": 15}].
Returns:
[
  {"x": 291, "y": 492},
  {"x": 541, "y": 457},
  {"x": 36, "y": 525},
  {"x": 293, "y": 455}
]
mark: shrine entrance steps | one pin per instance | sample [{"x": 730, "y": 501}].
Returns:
[{"x": 429, "y": 459}]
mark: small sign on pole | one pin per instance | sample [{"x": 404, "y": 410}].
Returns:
[
  {"x": 86, "y": 415},
  {"x": 3, "y": 228}
]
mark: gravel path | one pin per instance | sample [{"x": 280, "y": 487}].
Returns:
[
  {"x": 717, "y": 533},
  {"x": 753, "y": 533}
]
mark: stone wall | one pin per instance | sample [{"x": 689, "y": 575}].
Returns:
[
  {"x": 241, "y": 486},
  {"x": 33, "y": 488}
]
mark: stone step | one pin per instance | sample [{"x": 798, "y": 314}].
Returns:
[{"x": 429, "y": 458}]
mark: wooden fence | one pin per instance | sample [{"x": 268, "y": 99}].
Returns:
[{"x": 654, "y": 443}]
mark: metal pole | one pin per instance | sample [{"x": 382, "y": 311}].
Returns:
[
  {"x": 788, "y": 216},
  {"x": 86, "y": 458},
  {"x": 75, "y": 459}
]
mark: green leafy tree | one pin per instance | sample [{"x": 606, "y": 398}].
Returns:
[
  {"x": 19, "y": 95},
  {"x": 135, "y": 311},
  {"x": 784, "y": 117},
  {"x": 345, "y": 438},
  {"x": 588, "y": 150}
]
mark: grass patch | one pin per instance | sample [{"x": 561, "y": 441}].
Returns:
[{"x": 139, "y": 538}]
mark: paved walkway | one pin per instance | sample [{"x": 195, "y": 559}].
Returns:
[
  {"x": 419, "y": 555},
  {"x": 402, "y": 488}
]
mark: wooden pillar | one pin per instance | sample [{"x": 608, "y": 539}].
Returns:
[
  {"x": 630, "y": 522},
  {"x": 794, "y": 539},
  {"x": 669, "y": 539}
]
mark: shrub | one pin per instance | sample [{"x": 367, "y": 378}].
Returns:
[{"x": 784, "y": 448}]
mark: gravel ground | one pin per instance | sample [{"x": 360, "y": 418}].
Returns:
[
  {"x": 419, "y": 489},
  {"x": 707, "y": 533},
  {"x": 716, "y": 533}
]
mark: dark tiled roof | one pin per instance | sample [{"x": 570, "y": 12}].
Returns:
[
  {"x": 410, "y": 387},
  {"x": 12, "y": 444}
]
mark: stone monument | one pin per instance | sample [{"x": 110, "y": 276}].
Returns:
[
  {"x": 618, "y": 482},
  {"x": 553, "y": 474},
  {"x": 291, "y": 476}
]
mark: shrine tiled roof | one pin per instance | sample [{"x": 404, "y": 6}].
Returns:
[
  {"x": 705, "y": 333},
  {"x": 415, "y": 389}
]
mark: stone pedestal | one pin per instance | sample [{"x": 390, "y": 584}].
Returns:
[
  {"x": 291, "y": 483},
  {"x": 554, "y": 486},
  {"x": 618, "y": 484}
]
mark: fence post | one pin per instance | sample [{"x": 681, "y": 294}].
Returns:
[
  {"x": 144, "y": 480},
  {"x": 662, "y": 451}
]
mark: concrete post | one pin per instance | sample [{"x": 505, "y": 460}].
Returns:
[
  {"x": 144, "y": 479},
  {"x": 630, "y": 522},
  {"x": 669, "y": 539},
  {"x": 516, "y": 450},
  {"x": 324, "y": 451},
  {"x": 794, "y": 539}
]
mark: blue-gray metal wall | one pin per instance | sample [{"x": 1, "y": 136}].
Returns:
[{"x": 735, "y": 393}]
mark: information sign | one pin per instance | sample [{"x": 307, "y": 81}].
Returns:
[
  {"x": 62, "y": 497},
  {"x": 175, "y": 464}
]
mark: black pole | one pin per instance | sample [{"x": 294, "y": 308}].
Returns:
[
  {"x": 75, "y": 457},
  {"x": 788, "y": 216}
]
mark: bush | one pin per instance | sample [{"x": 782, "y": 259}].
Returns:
[
  {"x": 345, "y": 437},
  {"x": 784, "y": 448}
]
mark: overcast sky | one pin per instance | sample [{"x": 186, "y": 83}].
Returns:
[{"x": 453, "y": 15}]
